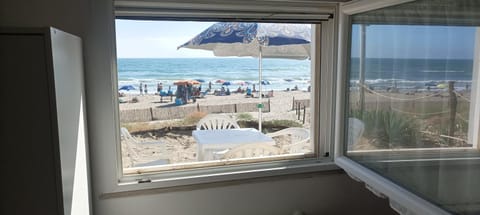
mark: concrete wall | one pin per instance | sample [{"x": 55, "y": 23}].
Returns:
[{"x": 93, "y": 21}]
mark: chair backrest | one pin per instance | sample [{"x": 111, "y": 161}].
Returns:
[
  {"x": 299, "y": 139},
  {"x": 252, "y": 150},
  {"x": 214, "y": 122},
  {"x": 355, "y": 131},
  {"x": 125, "y": 134}
]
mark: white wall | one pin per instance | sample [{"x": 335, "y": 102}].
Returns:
[{"x": 331, "y": 193}]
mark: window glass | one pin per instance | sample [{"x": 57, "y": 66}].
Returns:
[
  {"x": 190, "y": 93},
  {"x": 413, "y": 107}
]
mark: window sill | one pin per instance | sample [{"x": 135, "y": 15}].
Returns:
[{"x": 162, "y": 183}]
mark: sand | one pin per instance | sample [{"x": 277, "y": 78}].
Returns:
[{"x": 179, "y": 146}]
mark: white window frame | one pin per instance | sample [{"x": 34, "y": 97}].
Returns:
[
  {"x": 401, "y": 200},
  {"x": 474, "y": 116},
  {"x": 114, "y": 183}
]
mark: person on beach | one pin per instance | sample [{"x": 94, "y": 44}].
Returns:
[
  {"x": 169, "y": 92},
  {"x": 209, "y": 85},
  {"x": 141, "y": 89},
  {"x": 159, "y": 87},
  {"x": 295, "y": 88},
  {"x": 254, "y": 90},
  {"x": 249, "y": 92},
  {"x": 189, "y": 91},
  {"x": 145, "y": 90}
]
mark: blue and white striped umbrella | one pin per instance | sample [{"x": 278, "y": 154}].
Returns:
[{"x": 270, "y": 40}]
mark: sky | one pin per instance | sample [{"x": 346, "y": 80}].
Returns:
[
  {"x": 160, "y": 39},
  {"x": 408, "y": 41}
]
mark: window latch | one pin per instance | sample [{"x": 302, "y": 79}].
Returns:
[{"x": 144, "y": 180}]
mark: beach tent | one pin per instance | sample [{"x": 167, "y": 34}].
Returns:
[{"x": 270, "y": 40}]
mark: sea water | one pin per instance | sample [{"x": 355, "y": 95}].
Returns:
[
  {"x": 240, "y": 72},
  {"x": 413, "y": 74},
  {"x": 380, "y": 73}
]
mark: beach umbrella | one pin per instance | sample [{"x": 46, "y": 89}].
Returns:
[
  {"x": 127, "y": 88},
  {"x": 265, "y": 82},
  {"x": 226, "y": 83},
  {"x": 200, "y": 80},
  {"x": 185, "y": 82},
  {"x": 240, "y": 83},
  {"x": 261, "y": 40}
]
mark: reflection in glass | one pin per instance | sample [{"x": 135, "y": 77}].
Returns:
[{"x": 413, "y": 99}]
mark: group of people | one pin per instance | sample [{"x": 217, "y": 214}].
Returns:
[
  {"x": 222, "y": 92},
  {"x": 142, "y": 89},
  {"x": 188, "y": 92}
]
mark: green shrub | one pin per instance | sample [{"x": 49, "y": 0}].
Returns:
[
  {"x": 244, "y": 116},
  {"x": 388, "y": 129}
]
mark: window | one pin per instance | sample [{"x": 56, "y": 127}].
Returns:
[
  {"x": 165, "y": 95},
  {"x": 411, "y": 108},
  {"x": 187, "y": 107}
]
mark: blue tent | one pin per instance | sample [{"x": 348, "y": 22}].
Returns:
[{"x": 127, "y": 87}]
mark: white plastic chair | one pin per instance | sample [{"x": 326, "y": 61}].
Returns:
[
  {"x": 125, "y": 135},
  {"x": 252, "y": 150},
  {"x": 299, "y": 139},
  {"x": 214, "y": 122},
  {"x": 355, "y": 131}
]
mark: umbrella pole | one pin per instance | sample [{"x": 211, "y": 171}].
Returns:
[{"x": 260, "y": 88}]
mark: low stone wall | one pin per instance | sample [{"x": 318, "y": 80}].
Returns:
[{"x": 179, "y": 112}]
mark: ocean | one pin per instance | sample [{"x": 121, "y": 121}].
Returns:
[
  {"x": 408, "y": 74},
  {"x": 281, "y": 74}
]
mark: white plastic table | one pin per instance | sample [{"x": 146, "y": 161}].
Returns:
[{"x": 210, "y": 141}]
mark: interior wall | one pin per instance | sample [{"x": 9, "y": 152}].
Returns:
[
  {"x": 69, "y": 15},
  {"x": 93, "y": 21},
  {"x": 321, "y": 193}
]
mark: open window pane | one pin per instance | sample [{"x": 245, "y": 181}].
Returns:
[
  {"x": 182, "y": 105},
  {"x": 413, "y": 107}
]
